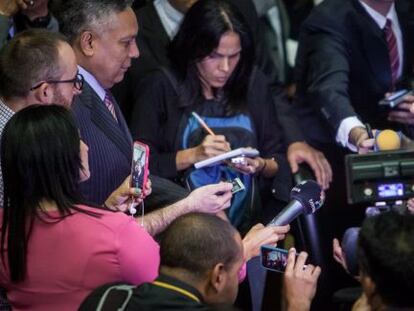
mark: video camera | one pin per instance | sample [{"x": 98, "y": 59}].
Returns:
[{"x": 380, "y": 176}]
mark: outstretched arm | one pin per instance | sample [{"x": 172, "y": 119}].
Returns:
[{"x": 208, "y": 199}]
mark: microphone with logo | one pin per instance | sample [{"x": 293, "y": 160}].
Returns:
[{"x": 306, "y": 198}]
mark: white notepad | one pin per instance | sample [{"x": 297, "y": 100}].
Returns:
[{"x": 247, "y": 152}]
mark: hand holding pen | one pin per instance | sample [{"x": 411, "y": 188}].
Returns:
[{"x": 212, "y": 145}]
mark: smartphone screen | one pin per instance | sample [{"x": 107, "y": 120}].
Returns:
[
  {"x": 139, "y": 169},
  {"x": 274, "y": 258}
]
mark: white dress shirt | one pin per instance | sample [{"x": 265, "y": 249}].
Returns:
[
  {"x": 170, "y": 17},
  {"x": 93, "y": 83}
]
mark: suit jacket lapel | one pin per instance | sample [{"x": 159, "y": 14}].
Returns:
[
  {"x": 117, "y": 132},
  {"x": 123, "y": 125}
]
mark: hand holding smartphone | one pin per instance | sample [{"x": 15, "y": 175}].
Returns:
[{"x": 396, "y": 98}]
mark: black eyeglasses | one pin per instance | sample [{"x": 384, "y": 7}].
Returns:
[{"x": 77, "y": 82}]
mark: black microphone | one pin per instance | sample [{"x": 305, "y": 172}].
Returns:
[
  {"x": 349, "y": 246},
  {"x": 306, "y": 198}
]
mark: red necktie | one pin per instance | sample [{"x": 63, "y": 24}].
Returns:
[
  {"x": 392, "y": 51},
  {"x": 110, "y": 104}
]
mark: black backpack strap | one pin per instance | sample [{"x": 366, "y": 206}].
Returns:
[{"x": 109, "y": 297}]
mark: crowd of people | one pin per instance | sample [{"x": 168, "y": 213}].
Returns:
[{"x": 80, "y": 80}]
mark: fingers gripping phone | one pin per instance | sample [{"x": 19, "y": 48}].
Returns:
[
  {"x": 139, "y": 168},
  {"x": 395, "y": 99}
]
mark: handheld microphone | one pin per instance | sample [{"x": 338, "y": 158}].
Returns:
[
  {"x": 388, "y": 140},
  {"x": 306, "y": 198}
]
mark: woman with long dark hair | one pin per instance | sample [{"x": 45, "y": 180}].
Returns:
[
  {"x": 212, "y": 75},
  {"x": 54, "y": 248}
]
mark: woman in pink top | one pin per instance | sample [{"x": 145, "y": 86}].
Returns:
[{"x": 54, "y": 248}]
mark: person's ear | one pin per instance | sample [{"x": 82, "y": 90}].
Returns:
[
  {"x": 86, "y": 42},
  {"x": 218, "y": 277},
  {"x": 44, "y": 93}
]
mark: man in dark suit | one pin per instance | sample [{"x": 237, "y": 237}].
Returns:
[
  {"x": 102, "y": 35},
  {"x": 343, "y": 67},
  {"x": 100, "y": 121}
]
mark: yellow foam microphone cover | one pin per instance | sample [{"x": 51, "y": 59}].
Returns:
[{"x": 388, "y": 140}]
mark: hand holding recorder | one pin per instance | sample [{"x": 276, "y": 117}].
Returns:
[
  {"x": 401, "y": 105},
  {"x": 211, "y": 198},
  {"x": 405, "y": 110}
]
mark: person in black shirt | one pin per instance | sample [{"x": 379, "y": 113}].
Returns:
[{"x": 201, "y": 265}]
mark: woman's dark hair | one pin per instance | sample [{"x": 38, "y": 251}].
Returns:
[
  {"x": 40, "y": 160},
  {"x": 199, "y": 35}
]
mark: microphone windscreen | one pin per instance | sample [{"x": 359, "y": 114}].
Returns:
[
  {"x": 349, "y": 246},
  {"x": 388, "y": 140},
  {"x": 309, "y": 194}
]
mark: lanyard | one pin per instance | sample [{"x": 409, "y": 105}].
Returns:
[{"x": 177, "y": 289}]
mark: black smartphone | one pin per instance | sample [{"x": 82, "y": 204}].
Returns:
[
  {"x": 274, "y": 258},
  {"x": 395, "y": 99}
]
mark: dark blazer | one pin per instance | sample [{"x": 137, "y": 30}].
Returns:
[
  {"x": 152, "y": 41},
  {"x": 109, "y": 142},
  {"x": 343, "y": 67},
  {"x": 110, "y": 153}
]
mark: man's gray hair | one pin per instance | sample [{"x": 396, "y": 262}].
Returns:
[{"x": 76, "y": 16}]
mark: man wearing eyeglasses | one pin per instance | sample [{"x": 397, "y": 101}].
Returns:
[{"x": 36, "y": 67}]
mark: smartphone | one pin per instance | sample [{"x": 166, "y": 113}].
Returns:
[
  {"x": 237, "y": 185},
  {"x": 395, "y": 98},
  {"x": 139, "y": 168},
  {"x": 274, "y": 258}
]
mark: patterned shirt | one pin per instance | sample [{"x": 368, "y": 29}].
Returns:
[{"x": 5, "y": 114}]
